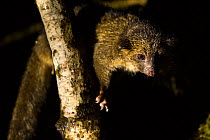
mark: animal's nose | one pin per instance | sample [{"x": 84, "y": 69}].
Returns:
[{"x": 149, "y": 71}]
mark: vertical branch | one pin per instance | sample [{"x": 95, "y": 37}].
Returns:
[
  {"x": 60, "y": 37},
  {"x": 69, "y": 70}
]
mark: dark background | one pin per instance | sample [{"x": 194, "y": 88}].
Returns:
[{"x": 145, "y": 110}]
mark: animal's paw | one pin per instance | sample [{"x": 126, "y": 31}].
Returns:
[{"x": 102, "y": 104}]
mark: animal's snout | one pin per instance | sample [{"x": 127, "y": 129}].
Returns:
[{"x": 149, "y": 71}]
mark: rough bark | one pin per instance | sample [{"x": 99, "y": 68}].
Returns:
[{"x": 72, "y": 84}]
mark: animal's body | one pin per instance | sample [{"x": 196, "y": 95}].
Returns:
[{"x": 125, "y": 42}]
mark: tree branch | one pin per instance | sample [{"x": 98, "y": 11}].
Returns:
[
  {"x": 69, "y": 71},
  {"x": 21, "y": 34}
]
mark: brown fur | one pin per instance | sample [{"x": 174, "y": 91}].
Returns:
[
  {"x": 110, "y": 53},
  {"x": 32, "y": 92},
  {"x": 124, "y": 42}
]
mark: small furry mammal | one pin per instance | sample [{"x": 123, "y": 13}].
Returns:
[
  {"x": 122, "y": 41},
  {"x": 126, "y": 42}
]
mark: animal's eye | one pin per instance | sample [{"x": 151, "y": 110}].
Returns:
[
  {"x": 140, "y": 57},
  {"x": 125, "y": 44}
]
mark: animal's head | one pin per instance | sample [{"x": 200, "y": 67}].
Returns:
[{"x": 139, "y": 46}]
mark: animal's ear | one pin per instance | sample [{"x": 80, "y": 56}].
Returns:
[{"x": 124, "y": 43}]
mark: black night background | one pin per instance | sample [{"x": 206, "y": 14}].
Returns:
[{"x": 148, "y": 111}]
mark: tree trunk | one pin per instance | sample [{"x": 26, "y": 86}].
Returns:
[{"x": 75, "y": 89}]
